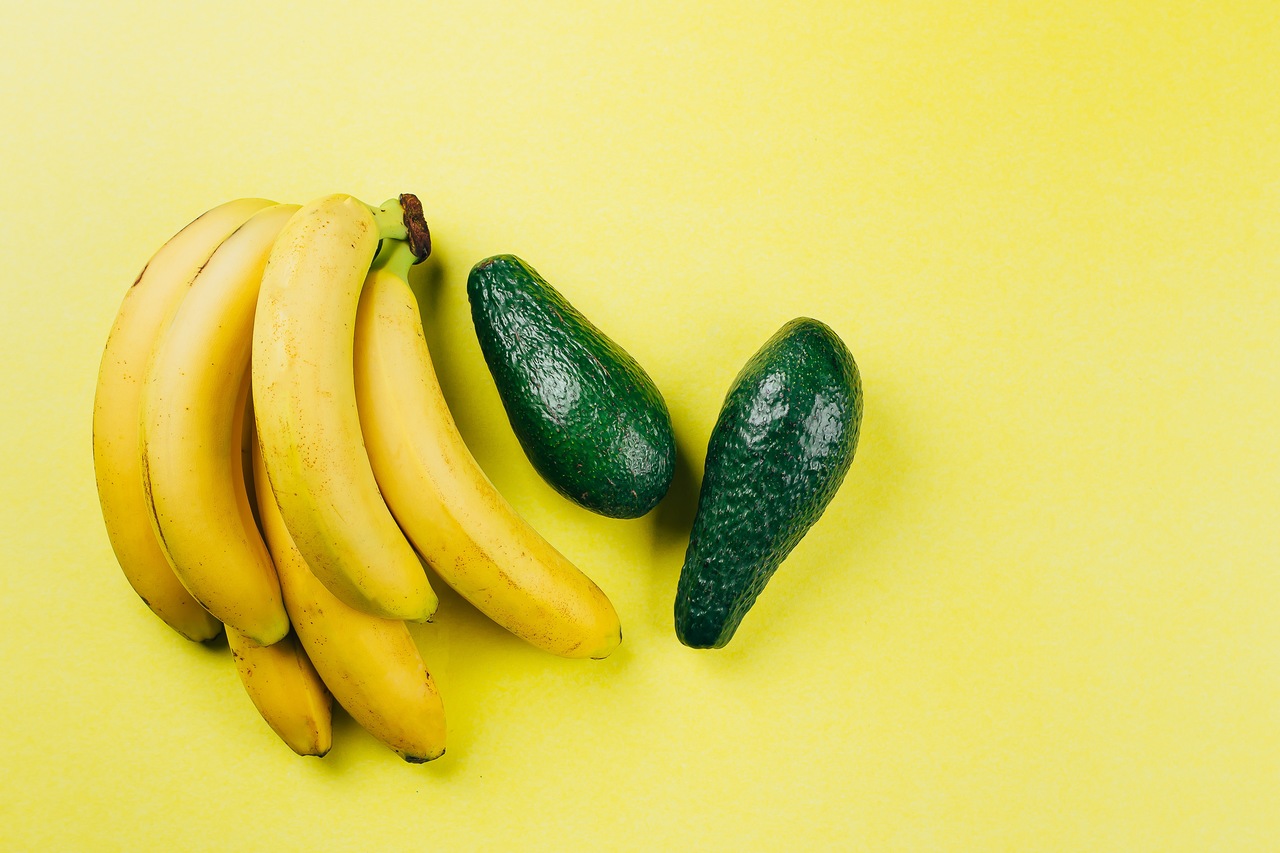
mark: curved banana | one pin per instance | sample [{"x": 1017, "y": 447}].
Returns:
[
  {"x": 192, "y": 429},
  {"x": 305, "y": 404},
  {"x": 286, "y": 691},
  {"x": 442, "y": 499},
  {"x": 371, "y": 664},
  {"x": 117, "y": 405}
]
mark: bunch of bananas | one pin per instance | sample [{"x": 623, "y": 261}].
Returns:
[{"x": 273, "y": 453}]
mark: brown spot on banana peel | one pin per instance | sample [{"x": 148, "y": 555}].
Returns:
[{"x": 140, "y": 275}]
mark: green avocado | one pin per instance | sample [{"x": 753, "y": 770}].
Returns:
[
  {"x": 587, "y": 415},
  {"x": 783, "y": 443}
]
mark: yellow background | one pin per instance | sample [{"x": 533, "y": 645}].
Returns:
[{"x": 1040, "y": 614}]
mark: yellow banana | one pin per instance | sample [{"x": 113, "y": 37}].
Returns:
[
  {"x": 192, "y": 430},
  {"x": 305, "y": 405},
  {"x": 286, "y": 691},
  {"x": 117, "y": 407},
  {"x": 371, "y": 664},
  {"x": 440, "y": 496},
  {"x": 279, "y": 678}
]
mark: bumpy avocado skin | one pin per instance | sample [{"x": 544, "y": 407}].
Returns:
[
  {"x": 782, "y": 445},
  {"x": 587, "y": 415}
]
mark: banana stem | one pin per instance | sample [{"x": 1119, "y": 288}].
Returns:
[
  {"x": 402, "y": 219},
  {"x": 395, "y": 256}
]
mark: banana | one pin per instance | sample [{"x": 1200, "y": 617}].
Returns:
[
  {"x": 305, "y": 404},
  {"x": 440, "y": 496},
  {"x": 117, "y": 406},
  {"x": 279, "y": 678},
  {"x": 370, "y": 664},
  {"x": 192, "y": 430},
  {"x": 286, "y": 691}
]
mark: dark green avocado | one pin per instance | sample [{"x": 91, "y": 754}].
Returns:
[
  {"x": 587, "y": 415},
  {"x": 781, "y": 447}
]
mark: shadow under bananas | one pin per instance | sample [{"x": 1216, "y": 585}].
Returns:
[
  {"x": 426, "y": 281},
  {"x": 217, "y": 645},
  {"x": 452, "y": 628}
]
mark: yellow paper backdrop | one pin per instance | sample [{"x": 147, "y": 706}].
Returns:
[{"x": 1040, "y": 614}]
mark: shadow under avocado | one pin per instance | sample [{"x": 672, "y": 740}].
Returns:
[
  {"x": 842, "y": 556},
  {"x": 672, "y": 523},
  {"x": 673, "y": 518}
]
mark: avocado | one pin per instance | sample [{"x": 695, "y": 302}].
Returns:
[
  {"x": 780, "y": 448},
  {"x": 587, "y": 415}
]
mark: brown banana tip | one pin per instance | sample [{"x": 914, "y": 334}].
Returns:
[{"x": 415, "y": 225}]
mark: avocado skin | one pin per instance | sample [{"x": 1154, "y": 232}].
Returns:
[
  {"x": 780, "y": 448},
  {"x": 587, "y": 415}
]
